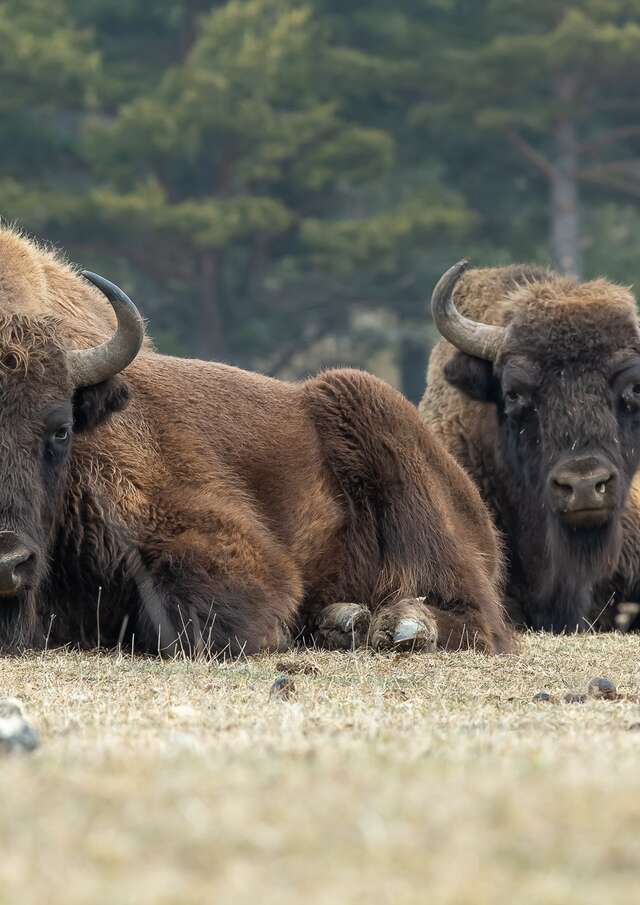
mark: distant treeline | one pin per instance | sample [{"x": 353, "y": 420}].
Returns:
[{"x": 279, "y": 184}]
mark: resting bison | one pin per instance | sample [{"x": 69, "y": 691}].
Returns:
[
  {"x": 535, "y": 390},
  {"x": 191, "y": 505}
]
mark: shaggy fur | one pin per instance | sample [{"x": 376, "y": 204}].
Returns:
[
  {"x": 561, "y": 386},
  {"x": 201, "y": 507}
]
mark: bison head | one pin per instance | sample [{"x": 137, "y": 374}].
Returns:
[
  {"x": 47, "y": 394},
  {"x": 564, "y": 376}
]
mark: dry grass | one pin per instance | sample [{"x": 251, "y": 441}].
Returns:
[{"x": 383, "y": 780}]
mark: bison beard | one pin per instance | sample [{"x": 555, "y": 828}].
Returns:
[
  {"x": 190, "y": 506},
  {"x": 566, "y": 562}
]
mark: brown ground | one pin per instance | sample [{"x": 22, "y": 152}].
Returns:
[{"x": 416, "y": 779}]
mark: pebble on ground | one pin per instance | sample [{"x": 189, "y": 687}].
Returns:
[{"x": 16, "y": 733}]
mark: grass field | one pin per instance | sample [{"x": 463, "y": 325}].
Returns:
[{"x": 382, "y": 779}]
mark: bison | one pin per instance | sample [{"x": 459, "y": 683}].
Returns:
[
  {"x": 177, "y": 505},
  {"x": 535, "y": 390}
]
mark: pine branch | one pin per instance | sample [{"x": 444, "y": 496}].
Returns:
[
  {"x": 608, "y": 138},
  {"x": 538, "y": 160},
  {"x": 613, "y": 182},
  {"x": 628, "y": 167}
]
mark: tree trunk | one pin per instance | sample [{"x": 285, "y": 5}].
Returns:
[
  {"x": 209, "y": 339},
  {"x": 413, "y": 365},
  {"x": 565, "y": 202}
]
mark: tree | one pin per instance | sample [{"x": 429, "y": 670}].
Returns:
[
  {"x": 557, "y": 82},
  {"x": 48, "y": 70},
  {"x": 281, "y": 182},
  {"x": 209, "y": 174}
]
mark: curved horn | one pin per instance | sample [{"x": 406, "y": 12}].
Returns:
[
  {"x": 481, "y": 340},
  {"x": 90, "y": 366}
]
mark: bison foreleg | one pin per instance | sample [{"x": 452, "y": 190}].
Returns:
[
  {"x": 341, "y": 626},
  {"x": 217, "y": 594},
  {"x": 416, "y": 624}
]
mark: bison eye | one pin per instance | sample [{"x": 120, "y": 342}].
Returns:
[
  {"x": 61, "y": 435},
  {"x": 515, "y": 403},
  {"x": 631, "y": 397}
]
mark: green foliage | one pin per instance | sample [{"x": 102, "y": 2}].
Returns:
[{"x": 281, "y": 182}]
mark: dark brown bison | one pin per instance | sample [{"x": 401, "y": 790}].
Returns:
[
  {"x": 535, "y": 390},
  {"x": 189, "y": 505}
]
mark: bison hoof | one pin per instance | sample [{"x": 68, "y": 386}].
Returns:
[
  {"x": 407, "y": 630},
  {"x": 626, "y": 616},
  {"x": 405, "y": 626},
  {"x": 343, "y": 626}
]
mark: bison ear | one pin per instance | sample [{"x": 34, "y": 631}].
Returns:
[
  {"x": 95, "y": 405},
  {"x": 472, "y": 376}
]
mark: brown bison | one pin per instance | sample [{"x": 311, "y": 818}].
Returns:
[
  {"x": 535, "y": 390},
  {"x": 189, "y": 505}
]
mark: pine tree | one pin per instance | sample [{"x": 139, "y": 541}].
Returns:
[
  {"x": 208, "y": 172},
  {"x": 556, "y": 82},
  {"x": 47, "y": 71}
]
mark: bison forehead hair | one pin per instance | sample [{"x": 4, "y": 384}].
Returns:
[
  {"x": 28, "y": 344},
  {"x": 562, "y": 321}
]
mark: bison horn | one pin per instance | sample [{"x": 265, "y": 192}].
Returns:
[
  {"x": 88, "y": 367},
  {"x": 481, "y": 340}
]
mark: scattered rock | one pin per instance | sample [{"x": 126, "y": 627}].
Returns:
[
  {"x": 185, "y": 741},
  {"x": 573, "y": 697},
  {"x": 601, "y": 687},
  {"x": 282, "y": 689},
  {"x": 298, "y": 668},
  {"x": 183, "y": 712},
  {"x": 543, "y": 697},
  {"x": 11, "y": 707},
  {"x": 633, "y": 727},
  {"x": 16, "y": 733}
]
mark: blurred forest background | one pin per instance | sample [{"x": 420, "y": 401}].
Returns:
[{"x": 279, "y": 183}]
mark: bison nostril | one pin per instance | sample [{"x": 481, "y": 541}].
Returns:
[
  {"x": 17, "y": 564},
  {"x": 24, "y": 563}
]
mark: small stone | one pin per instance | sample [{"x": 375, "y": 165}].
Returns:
[
  {"x": 633, "y": 727},
  {"x": 185, "y": 741},
  {"x": 542, "y": 697},
  {"x": 11, "y": 707},
  {"x": 282, "y": 689},
  {"x": 601, "y": 687},
  {"x": 183, "y": 712},
  {"x": 16, "y": 734},
  {"x": 573, "y": 697}
]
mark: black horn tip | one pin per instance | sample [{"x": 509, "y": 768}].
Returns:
[
  {"x": 460, "y": 267},
  {"x": 445, "y": 285},
  {"x": 101, "y": 283},
  {"x": 112, "y": 292}
]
